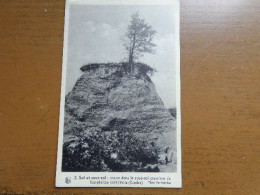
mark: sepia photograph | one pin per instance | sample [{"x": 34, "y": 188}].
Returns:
[{"x": 120, "y": 98}]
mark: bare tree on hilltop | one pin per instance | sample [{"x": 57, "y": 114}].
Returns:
[{"x": 138, "y": 38}]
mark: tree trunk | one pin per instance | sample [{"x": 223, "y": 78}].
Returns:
[
  {"x": 130, "y": 65},
  {"x": 130, "y": 58}
]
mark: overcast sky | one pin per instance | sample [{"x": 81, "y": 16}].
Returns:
[{"x": 95, "y": 35}]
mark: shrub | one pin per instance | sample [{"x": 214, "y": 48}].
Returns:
[
  {"x": 107, "y": 151},
  {"x": 173, "y": 112}
]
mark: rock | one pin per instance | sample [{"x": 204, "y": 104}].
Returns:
[
  {"x": 107, "y": 98},
  {"x": 151, "y": 168}
]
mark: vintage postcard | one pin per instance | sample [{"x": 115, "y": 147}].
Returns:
[{"x": 120, "y": 122}]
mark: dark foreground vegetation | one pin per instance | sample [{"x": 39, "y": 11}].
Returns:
[{"x": 110, "y": 151}]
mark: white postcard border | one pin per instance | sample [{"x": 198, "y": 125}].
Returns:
[{"x": 110, "y": 179}]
